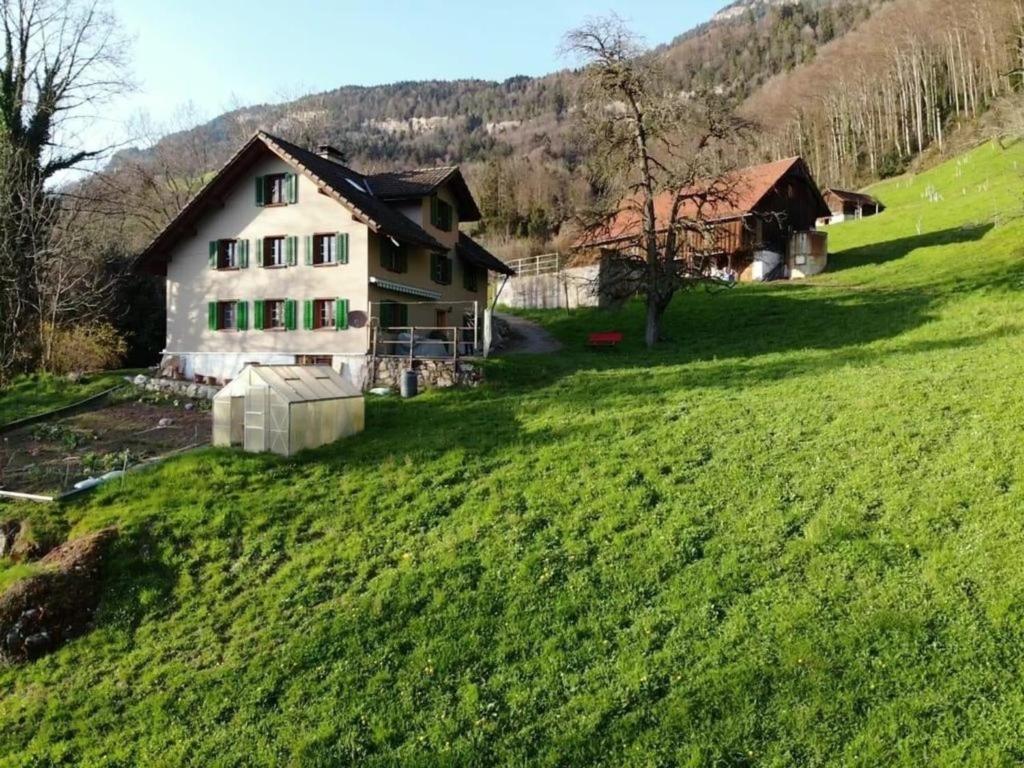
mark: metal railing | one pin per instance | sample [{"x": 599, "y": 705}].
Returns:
[
  {"x": 453, "y": 343},
  {"x": 543, "y": 264}
]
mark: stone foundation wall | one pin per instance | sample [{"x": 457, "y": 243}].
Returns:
[
  {"x": 176, "y": 387},
  {"x": 430, "y": 374}
]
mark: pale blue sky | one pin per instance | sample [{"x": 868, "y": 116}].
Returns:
[{"x": 220, "y": 54}]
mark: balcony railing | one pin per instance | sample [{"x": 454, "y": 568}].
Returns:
[{"x": 424, "y": 342}]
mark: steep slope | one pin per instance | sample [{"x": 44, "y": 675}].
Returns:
[
  {"x": 874, "y": 100},
  {"x": 791, "y": 537}
]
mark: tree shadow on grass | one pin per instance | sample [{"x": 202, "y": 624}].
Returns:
[
  {"x": 880, "y": 253},
  {"x": 746, "y": 323}
]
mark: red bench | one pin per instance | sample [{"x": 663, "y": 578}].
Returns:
[{"x": 604, "y": 339}]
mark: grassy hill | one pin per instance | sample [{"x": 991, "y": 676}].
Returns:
[{"x": 791, "y": 537}]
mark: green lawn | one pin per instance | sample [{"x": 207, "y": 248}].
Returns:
[
  {"x": 39, "y": 393},
  {"x": 792, "y": 537}
]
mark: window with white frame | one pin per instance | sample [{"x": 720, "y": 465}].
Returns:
[
  {"x": 324, "y": 249},
  {"x": 274, "y": 252}
]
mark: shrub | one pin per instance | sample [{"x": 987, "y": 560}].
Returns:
[{"x": 81, "y": 348}]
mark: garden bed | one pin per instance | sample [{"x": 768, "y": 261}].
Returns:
[{"x": 50, "y": 457}]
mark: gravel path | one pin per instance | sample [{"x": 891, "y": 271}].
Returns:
[{"x": 528, "y": 338}]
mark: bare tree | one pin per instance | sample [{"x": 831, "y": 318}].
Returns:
[
  {"x": 660, "y": 161},
  {"x": 146, "y": 190},
  {"x": 61, "y": 58}
]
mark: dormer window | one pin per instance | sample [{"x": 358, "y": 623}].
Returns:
[
  {"x": 277, "y": 189},
  {"x": 441, "y": 214}
]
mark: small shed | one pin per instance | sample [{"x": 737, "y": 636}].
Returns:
[{"x": 286, "y": 408}]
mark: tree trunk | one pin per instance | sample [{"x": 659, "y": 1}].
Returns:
[{"x": 655, "y": 313}]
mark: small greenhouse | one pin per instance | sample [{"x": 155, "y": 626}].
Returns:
[{"x": 286, "y": 408}]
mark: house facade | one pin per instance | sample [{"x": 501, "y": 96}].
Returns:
[{"x": 290, "y": 257}]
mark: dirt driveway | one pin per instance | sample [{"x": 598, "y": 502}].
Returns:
[{"x": 528, "y": 338}]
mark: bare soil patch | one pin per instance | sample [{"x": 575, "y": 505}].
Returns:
[
  {"x": 40, "y": 613},
  {"x": 50, "y": 457}
]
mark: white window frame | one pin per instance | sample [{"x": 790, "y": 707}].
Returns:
[
  {"x": 277, "y": 252},
  {"x": 325, "y": 316},
  {"x": 227, "y": 315},
  {"x": 326, "y": 249},
  {"x": 274, "y": 314},
  {"x": 277, "y": 189}
]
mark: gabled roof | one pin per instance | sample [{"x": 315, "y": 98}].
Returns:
[
  {"x": 471, "y": 251},
  {"x": 421, "y": 182},
  {"x": 858, "y": 198},
  {"x": 740, "y": 194},
  {"x": 295, "y": 383},
  {"x": 337, "y": 181}
]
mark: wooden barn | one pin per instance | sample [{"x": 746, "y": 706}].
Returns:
[
  {"x": 762, "y": 228},
  {"x": 844, "y": 205}
]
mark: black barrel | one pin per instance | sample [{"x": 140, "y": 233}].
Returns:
[{"x": 409, "y": 385}]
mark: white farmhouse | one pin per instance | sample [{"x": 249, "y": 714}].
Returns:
[{"x": 289, "y": 257}]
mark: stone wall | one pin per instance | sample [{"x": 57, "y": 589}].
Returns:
[
  {"x": 430, "y": 374},
  {"x": 566, "y": 289},
  {"x": 176, "y": 387}
]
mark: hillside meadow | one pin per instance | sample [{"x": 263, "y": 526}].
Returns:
[{"x": 791, "y": 536}]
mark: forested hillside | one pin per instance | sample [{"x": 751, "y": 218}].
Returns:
[
  {"x": 898, "y": 84},
  {"x": 515, "y": 136}
]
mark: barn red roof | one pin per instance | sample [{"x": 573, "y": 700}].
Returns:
[{"x": 735, "y": 195}]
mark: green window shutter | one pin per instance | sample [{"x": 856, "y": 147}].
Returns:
[
  {"x": 403, "y": 259},
  {"x": 292, "y": 182},
  {"x": 289, "y": 314},
  {"x": 259, "y": 191},
  {"x": 213, "y": 254},
  {"x": 433, "y": 268},
  {"x": 309, "y": 250},
  {"x": 211, "y": 315},
  {"x": 243, "y": 253},
  {"x": 291, "y": 247},
  {"x": 242, "y": 315},
  {"x": 257, "y": 312},
  {"x": 403, "y": 313},
  {"x": 341, "y": 314},
  {"x": 433, "y": 210},
  {"x": 307, "y": 315},
  {"x": 259, "y": 251},
  {"x": 341, "y": 247}
]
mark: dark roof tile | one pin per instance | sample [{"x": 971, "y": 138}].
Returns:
[{"x": 470, "y": 250}]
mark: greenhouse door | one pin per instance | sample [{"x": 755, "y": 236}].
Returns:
[{"x": 257, "y": 403}]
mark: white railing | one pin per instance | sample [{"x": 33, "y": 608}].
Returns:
[{"x": 543, "y": 264}]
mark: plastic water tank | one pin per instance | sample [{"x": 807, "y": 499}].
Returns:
[{"x": 409, "y": 384}]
